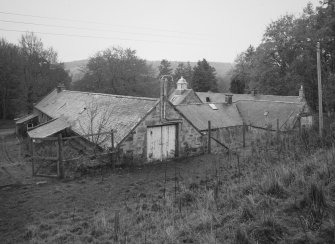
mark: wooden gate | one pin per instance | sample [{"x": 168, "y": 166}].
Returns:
[{"x": 161, "y": 142}]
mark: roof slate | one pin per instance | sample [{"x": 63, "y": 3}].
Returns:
[
  {"x": 263, "y": 113},
  {"x": 49, "y": 128},
  {"x": 199, "y": 114},
  {"x": 220, "y": 97},
  {"x": 26, "y": 118},
  {"x": 176, "y": 99},
  {"x": 79, "y": 108}
]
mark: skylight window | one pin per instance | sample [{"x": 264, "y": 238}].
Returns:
[{"x": 213, "y": 106}]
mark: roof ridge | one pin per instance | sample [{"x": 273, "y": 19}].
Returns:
[
  {"x": 114, "y": 95},
  {"x": 247, "y": 100}
]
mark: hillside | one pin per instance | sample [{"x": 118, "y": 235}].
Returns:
[{"x": 77, "y": 67}]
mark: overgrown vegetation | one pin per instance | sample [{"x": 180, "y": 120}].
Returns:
[{"x": 281, "y": 191}]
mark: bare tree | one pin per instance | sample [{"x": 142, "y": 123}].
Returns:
[{"x": 95, "y": 122}]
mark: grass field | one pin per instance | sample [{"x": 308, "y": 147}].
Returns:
[{"x": 273, "y": 193}]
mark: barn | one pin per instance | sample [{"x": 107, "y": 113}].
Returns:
[{"x": 145, "y": 129}]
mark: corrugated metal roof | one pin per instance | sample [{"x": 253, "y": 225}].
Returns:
[
  {"x": 49, "y": 128},
  {"x": 26, "y": 118},
  {"x": 263, "y": 113},
  {"x": 199, "y": 114},
  {"x": 220, "y": 97},
  {"x": 123, "y": 112}
]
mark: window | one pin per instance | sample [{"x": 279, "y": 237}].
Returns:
[
  {"x": 208, "y": 99},
  {"x": 213, "y": 106}
]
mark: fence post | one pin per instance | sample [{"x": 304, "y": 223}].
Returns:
[
  {"x": 112, "y": 149},
  {"x": 277, "y": 130},
  {"x": 209, "y": 137},
  {"x": 33, "y": 156},
  {"x": 299, "y": 125},
  {"x": 243, "y": 133},
  {"x": 60, "y": 165}
]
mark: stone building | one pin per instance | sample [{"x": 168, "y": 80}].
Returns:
[
  {"x": 255, "y": 110},
  {"x": 145, "y": 129}
]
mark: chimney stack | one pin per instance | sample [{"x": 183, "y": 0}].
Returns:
[
  {"x": 229, "y": 98},
  {"x": 60, "y": 87}
]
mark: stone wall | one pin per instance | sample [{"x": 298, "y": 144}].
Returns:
[{"x": 189, "y": 140}]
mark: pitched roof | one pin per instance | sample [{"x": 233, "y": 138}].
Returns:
[
  {"x": 26, "y": 118},
  {"x": 263, "y": 113},
  {"x": 176, "y": 98},
  {"x": 79, "y": 108},
  {"x": 49, "y": 128},
  {"x": 220, "y": 97},
  {"x": 199, "y": 114}
]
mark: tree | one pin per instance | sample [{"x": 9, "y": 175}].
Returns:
[
  {"x": 286, "y": 58},
  {"x": 204, "y": 77},
  {"x": 10, "y": 75},
  {"x": 183, "y": 70},
  {"x": 40, "y": 68},
  {"x": 242, "y": 73},
  {"x": 165, "y": 69},
  {"x": 27, "y": 73},
  {"x": 118, "y": 71},
  {"x": 95, "y": 122}
]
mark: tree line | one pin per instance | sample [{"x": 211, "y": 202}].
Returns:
[
  {"x": 286, "y": 58},
  {"x": 120, "y": 71},
  {"x": 28, "y": 71}
]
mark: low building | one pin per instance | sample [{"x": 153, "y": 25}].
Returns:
[
  {"x": 257, "y": 110},
  {"x": 226, "y": 123},
  {"x": 144, "y": 129}
]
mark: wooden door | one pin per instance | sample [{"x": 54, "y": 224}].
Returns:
[
  {"x": 168, "y": 141},
  {"x": 161, "y": 142}
]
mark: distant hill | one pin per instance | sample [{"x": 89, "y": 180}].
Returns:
[{"x": 77, "y": 69}]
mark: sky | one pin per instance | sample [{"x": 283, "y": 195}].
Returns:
[{"x": 177, "y": 30}]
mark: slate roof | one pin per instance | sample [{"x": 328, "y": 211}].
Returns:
[
  {"x": 220, "y": 97},
  {"x": 123, "y": 112},
  {"x": 177, "y": 99},
  {"x": 49, "y": 128},
  {"x": 199, "y": 114},
  {"x": 26, "y": 118},
  {"x": 254, "y": 113}
]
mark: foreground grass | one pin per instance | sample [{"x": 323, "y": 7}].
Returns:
[{"x": 278, "y": 193}]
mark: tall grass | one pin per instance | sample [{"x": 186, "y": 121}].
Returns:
[{"x": 282, "y": 191}]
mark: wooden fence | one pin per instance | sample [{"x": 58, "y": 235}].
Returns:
[{"x": 56, "y": 148}]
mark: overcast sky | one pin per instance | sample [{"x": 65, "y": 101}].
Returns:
[{"x": 183, "y": 30}]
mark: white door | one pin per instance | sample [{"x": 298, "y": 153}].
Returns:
[
  {"x": 161, "y": 142},
  {"x": 168, "y": 141}
]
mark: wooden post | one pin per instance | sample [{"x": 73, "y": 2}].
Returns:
[
  {"x": 243, "y": 133},
  {"x": 112, "y": 139},
  {"x": 33, "y": 157},
  {"x": 277, "y": 130},
  {"x": 209, "y": 137},
  {"x": 319, "y": 89},
  {"x": 112, "y": 149},
  {"x": 60, "y": 165},
  {"x": 299, "y": 125}
]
